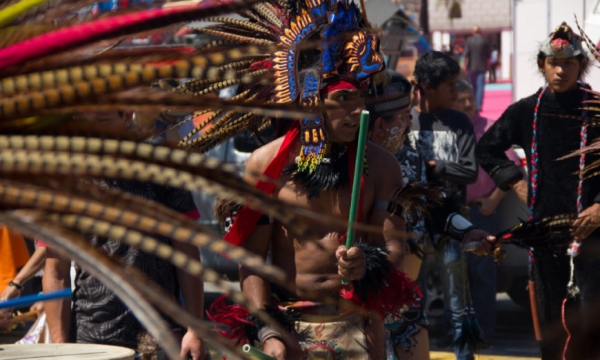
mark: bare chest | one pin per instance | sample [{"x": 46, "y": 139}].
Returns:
[{"x": 331, "y": 208}]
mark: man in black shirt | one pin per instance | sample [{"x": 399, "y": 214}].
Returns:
[
  {"x": 477, "y": 54},
  {"x": 538, "y": 124},
  {"x": 445, "y": 140}
]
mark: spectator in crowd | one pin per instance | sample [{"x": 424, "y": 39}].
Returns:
[
  {"x": 444, "y": 139},
  {"x": 28, "y": 271},
  {"x": 117, "y": 325},
  {"x": 476, "y": 57},
  {"x": 549, "y": 125},
  {"x": 494, "y": 61},
  {"x": 13, "y": 255},
  {"x": 482, "y": 198}
]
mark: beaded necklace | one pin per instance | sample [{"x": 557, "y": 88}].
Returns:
[
  {"x": 574, "y": 246},
  {"x": 534, "y": 154}
]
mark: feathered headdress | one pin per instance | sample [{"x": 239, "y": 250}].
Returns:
[{"x": 311, "y": 43}]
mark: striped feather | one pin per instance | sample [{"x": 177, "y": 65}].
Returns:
[
  {"x": 68, "y": 38},
  {"x": 128, "y": 283},
  {"x": 73, "y": 247}
]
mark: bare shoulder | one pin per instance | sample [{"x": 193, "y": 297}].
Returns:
[
  {"x": 384, "y": 171},
  {"x": 261, "y": 158},
  {"x": 380, "y": 161}
]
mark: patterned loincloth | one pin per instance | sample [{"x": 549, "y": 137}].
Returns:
[{"x": 331, "y": 336}]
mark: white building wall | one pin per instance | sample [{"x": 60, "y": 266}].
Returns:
[
  {"x": 488, "y": 14},
  {"x": 591, "y": 26},
  {"x": 436, "y": 39},
  {"x": 530, "y": 28}
]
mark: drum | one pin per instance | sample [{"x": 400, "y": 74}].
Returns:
[{"x": 65, "y": 352}]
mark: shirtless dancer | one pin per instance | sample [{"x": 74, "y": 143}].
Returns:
[{"x": 320, "y": 179}]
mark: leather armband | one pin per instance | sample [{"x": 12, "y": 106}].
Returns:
[
  {"x": 393, "y": 208},
  {"x": 457, "y": 226}
]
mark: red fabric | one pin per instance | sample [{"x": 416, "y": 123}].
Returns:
[
  {"x": 261, "y": 65},
  {"x": 245, "y": 222},
  {"x": 339, "y": 84},
  {"x": 398, "y": 290}
]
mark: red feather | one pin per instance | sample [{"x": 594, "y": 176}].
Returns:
[
  {"x": 398, "y": 291},
  {"x": 229, "y": 319}
]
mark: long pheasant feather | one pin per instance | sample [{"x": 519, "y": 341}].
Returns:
[
  {"x": 72, "y": 247},
  {"x": 71, "y": 37}
]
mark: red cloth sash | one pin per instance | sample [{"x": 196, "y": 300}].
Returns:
[{"x": 245, "y": 222}]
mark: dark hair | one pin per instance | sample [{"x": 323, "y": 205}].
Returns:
[
  {"x": 435, "y": 67},
  {"x": 463, "y": 85},
  {"x": 541, "y": 57},
  {"x": 389, "y": 85}
]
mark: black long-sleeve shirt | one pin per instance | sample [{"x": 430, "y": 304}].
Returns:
[
  {"x": 557, "y": 136},
  {"x": 449, "y": 139}
]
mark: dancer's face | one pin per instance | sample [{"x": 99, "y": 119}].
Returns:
[
  {"x": 561, "y": 74},
  {"x": 390, "y": 132},
  {"x": 342, "y": 121}
]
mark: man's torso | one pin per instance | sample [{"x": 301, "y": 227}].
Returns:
[{"x": 314, "y": 266}]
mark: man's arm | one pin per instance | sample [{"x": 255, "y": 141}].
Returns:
[
  {"x": 253, "y": 286},
  {"x": 35, "y": 264},
  {"x": 463, "y": 171},
  {"x": 491, "y": 152},
  {"x": 389, "y": 181},
  {"x": 490, "y": 202},
  {"x": 192, "y": 291},
  {"x": 57, "y": 276}
]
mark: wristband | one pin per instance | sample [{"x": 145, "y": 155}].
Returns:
[
  {"x": 266, "y": 332},
  {"x": 18, "y": 286},
  {"x": 457, "y": 226}
]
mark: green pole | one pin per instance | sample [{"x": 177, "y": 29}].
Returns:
[
  {"x": 255, "y": 353},
  {"x": 358, "y": 170}
]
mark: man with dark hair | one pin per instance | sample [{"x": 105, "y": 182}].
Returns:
[
  {"x": 313, "y": 164},
  {"x": 389, "y": 125},
  {"x": 482, "y": 198},
  {"x": 476, "y": 56},
  {"x": 564, "y": 265},
  {"x": 444, "y": 139}
]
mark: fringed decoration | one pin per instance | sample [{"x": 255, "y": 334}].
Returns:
[
  {"x": 470, "y": 336},
  {"x": 383, "y": 289},
  {"x": 331, "y": 174},
  {"x": 415, "y": 198},
  {"x": 230, "y": 320},
  {"x": 224, "y": 207},
  {"x": 236, "y": 323}
]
